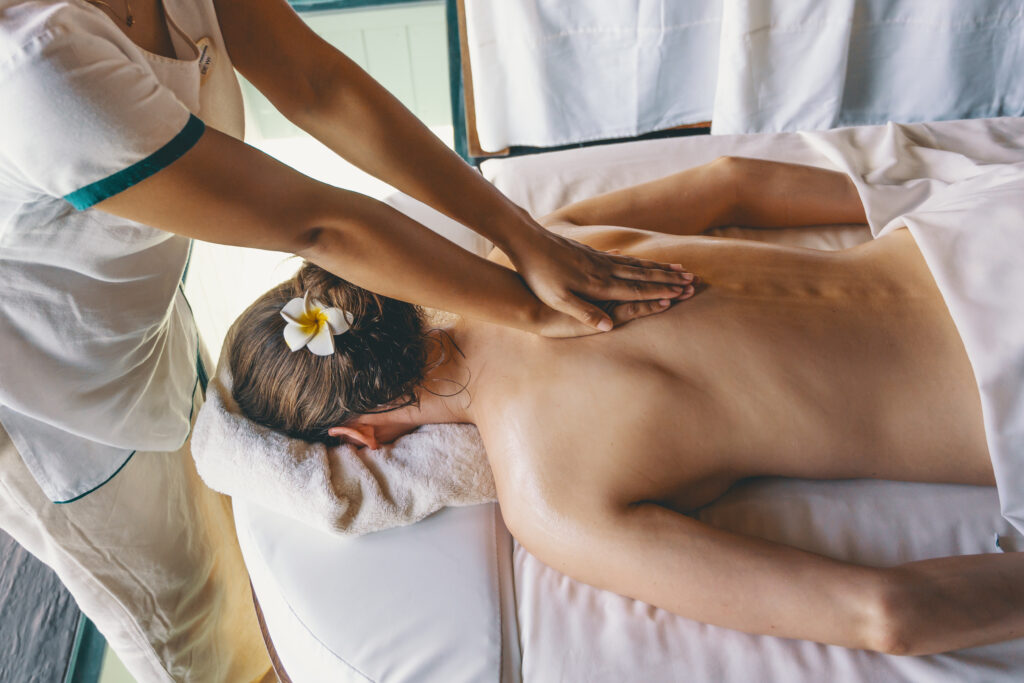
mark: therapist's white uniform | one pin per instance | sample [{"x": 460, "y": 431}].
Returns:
[{"x": 98, "y": 349}]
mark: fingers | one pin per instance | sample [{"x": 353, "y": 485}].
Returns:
[
  {"x": 645, "y": 274},
  {"x": 631, "y": 310},
  {"x": 604, "y": 315},
  {"x": 623, "y": 313},
  {"x": 636, "y": 290},
  {"x": 586, "y": 312},
  {"x": 643, "y": 263}
]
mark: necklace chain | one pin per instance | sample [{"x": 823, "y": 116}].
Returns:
[{"x": 129, "y": 20}]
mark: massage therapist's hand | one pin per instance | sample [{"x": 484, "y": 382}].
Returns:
[
  {"x": 569, "y": 277},
  {"x": 554, "y": 324}
]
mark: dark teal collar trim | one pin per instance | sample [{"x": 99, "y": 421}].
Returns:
[{"x": 162, "y": 158}]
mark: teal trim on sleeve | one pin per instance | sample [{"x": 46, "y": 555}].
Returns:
[{"x": 162, "y": 158}]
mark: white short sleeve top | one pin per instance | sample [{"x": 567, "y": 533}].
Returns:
[{"x": 98, "y": 349}]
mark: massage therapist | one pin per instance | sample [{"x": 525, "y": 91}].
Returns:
[{"x": 120, "y": 129}]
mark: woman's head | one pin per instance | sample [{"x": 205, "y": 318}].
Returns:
[{"x": 377, "y": 364}]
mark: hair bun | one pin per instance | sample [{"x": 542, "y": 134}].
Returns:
[{"x": 365, "y": 306}]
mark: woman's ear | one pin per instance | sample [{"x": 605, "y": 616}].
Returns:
[{"x": 357, "y": 434}]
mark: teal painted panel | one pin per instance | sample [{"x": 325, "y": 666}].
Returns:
[
  {"x": 87, "y": 657},
  {"x": 316, "y": 5}
]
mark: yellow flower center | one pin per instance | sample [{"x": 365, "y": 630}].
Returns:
[{"x": 313, "y": 321}]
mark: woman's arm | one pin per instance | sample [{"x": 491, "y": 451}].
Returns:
[
  {"x": 328, "y": 95},
  {"x": 666, "y": 559},
  {"x": 727, "y": 191},
  {"x": 225, "y": 191}
]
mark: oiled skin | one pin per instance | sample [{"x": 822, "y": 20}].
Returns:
[{"x": 791, "y": 362}]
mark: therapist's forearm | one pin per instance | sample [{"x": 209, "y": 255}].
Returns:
[
  {"x": 362, "y": 122},
  {"x": 224, "y": 191},
  {"x": 379, "y": 248}
]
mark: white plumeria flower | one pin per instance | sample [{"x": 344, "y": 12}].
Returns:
[{"x": 313, "y": 325}]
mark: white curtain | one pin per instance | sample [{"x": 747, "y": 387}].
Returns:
[
  {"x": 802, "y": 64},
  {"x": 552, "y": 72}
]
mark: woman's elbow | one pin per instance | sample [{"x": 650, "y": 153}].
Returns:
[
  {"x": 322, "y": 224},
  {"x": 893, "y": 625}
]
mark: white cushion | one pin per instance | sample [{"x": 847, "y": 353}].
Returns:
[{"x": 421, "y": 603}]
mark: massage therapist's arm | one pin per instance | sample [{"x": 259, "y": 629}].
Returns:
[
  {"x": 225, "y": 191},
  {"x": 728, "y": 191},
  {"x": 332, "y": 98}
]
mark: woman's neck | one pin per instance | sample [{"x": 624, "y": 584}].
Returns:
[{"x": 446, "y": 392}]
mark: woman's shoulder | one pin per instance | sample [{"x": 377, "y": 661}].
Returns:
[{"x": 32, "y": 28}]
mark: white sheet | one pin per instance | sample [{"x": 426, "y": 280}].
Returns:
[
  {"x": 548, "y": 72},
  {"x": 963, "y": 200},
  {"x": 972, "y": 236}
]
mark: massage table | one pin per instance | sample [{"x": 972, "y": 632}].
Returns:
[{"x": 454, "y": 597}]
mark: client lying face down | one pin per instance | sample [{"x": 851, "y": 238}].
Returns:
[{"x": 793, "y": 362}]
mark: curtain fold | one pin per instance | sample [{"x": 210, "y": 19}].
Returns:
[{"x": 548, "y": 72}]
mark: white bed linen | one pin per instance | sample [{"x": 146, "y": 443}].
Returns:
[{"x": 606, "y": 69}]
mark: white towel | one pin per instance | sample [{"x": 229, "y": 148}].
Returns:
[{"x": 341, "y": 489}]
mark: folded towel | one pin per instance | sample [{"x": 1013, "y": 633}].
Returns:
[{"x": 341, "y": 489}]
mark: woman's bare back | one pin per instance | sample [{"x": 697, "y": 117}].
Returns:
[{"x": 792, "y": 362}]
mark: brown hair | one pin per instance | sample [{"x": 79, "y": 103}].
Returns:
[{"x": 377, "y": 364}]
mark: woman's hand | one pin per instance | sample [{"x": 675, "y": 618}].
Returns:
[
  {"x": 559, "y": 325},
  {"x": 569, "y": 277},
  {"x": 552, "y": 323}
]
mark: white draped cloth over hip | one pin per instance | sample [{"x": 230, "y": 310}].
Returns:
[{"x": 963, "y": 200}]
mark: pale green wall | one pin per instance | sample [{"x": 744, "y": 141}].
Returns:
[{"x": 404, "y": 47}]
